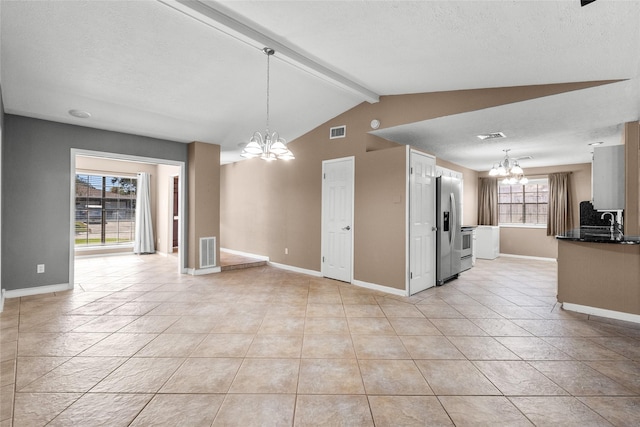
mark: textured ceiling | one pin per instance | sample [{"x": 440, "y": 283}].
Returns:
[{"x": 146, "y": 68}]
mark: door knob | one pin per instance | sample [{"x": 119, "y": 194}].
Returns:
[{"x": 347, "y": 228}]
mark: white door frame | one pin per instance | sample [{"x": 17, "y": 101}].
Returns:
[
  {"x": 322, "y": 228},
  {"x": 72, "y": 201}
]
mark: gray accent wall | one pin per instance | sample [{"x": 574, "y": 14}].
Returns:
[{"x": 36, "y": 177}]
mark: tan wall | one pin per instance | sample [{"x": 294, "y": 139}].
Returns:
[
  {"x": 101, "y": 165},
  {"x": 534, "y": 241},
  {"x": 380, "y": 210},
  {"x": 266, "y": 208},
  {"x": 203, "y": 199},
  {"x": 632, "y": 178}
]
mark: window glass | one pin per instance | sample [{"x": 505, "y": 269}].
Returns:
[
  {"x": 105, "y": 210},
  {"x": 523, "y": 204}
]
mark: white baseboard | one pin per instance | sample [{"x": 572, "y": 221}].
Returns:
[
  {"x": 536, "y": 258},
  {"x": 202, "y": 271},
  {"x": 618, "y": 315},
  {"x": 296, "y": 269},
  {"x": 375, "y": 287},
  {"x": 247, "y": 254},
  {"x": 37, "y": 290}
]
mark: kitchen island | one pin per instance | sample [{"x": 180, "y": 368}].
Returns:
[{"x": 599, "y": 273}]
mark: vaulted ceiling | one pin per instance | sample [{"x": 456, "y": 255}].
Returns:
[{"x": 187, "y": 70}]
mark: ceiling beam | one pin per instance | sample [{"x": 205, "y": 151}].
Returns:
[{"x": 217, "y": 17}]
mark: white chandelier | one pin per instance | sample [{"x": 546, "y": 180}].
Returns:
[
  {"x": 509, "y": 170},
  {"x": 267, "y": 146}
]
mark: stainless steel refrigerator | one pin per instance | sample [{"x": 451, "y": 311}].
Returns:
[{"x": 448, "y": 223}]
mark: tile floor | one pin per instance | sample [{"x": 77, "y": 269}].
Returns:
[{"x": 138, "y": 344}]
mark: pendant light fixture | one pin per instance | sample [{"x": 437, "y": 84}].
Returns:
[
  {"x": 509, "y": 170},
  {"x": 268, "y": 145}
]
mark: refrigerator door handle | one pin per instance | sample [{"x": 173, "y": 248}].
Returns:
[{"x": 454, "y": 219}]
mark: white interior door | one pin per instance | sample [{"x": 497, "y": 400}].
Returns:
[
  {"x": 337, "y": 218},
  {"x": 422, "y": 215}
]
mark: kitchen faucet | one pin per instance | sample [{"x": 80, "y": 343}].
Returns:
[{"x": 612, "y": 220}]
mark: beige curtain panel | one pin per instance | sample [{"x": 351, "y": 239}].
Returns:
[
  {"x": 488, "y": 201},
  {"x": 560, "y": 217}
]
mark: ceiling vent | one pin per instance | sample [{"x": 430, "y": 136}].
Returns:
[
  {"x": 494, "y": 135},
  {"x": 338, "y": 132}
]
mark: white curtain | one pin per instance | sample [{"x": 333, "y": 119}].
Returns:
[{"x": 143, "y": 242}]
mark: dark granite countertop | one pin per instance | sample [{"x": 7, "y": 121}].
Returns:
[{"x": 598, "y": 235}]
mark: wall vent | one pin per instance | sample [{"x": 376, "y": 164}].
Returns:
[
  {"x": 207, "y": 252},
  {"x": 494, "y": 135},
  {"x": 338, "y": 132}
]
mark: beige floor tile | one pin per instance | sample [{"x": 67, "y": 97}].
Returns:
[
  {"x": 335, "y": 410},
  {"x": 579, "y": 379},
  {"x": 171, "y": 345},
  {"x": 325, "y": 310},
  {"x": 194, "y": 410},
  {"x": 106, "y": 324},
  {"x": 29, "y": 369},
  {"x": 413, "y": 326},
  {"x": 57, "y": 344},
  {"x": 249, "y": 410},
  {"x": 501, "y": 328},
  {"x": 287, "y": 310},
  {"x": 266, "y": 376},
  {"x": 483, "y": 411},
  {"x": 6, "y": 402},
  {"x": 408, "y": 411},
  {"x": 455, "y": 377},
  {"x": 138, "y": 308},
  {"x": 558, "y": 411},
  {"x": 7, "y": 372},
  {"x": 518, "y": 378},
  {"x": 327, "y": 346},
  {"x": 626, "y": 373},
  {"x": 619, "y": 411},
  {"x": 98, "y": 409},
  {"x": 379, "y": 347},
  {"x": 203, "y": 375},
  {"x": 405, "y": 310},
  {"x": 626, "y": 346},
  {"x": 326, "y": 325},
  {"x": 37, "y": 409},
  {"x": 79, "y": 374},
  {"x": 363, "y": 310},
  {"x": 431, "y": 347},
  {"x": 237, "y": 324},
  {"x": 282, "y": 326},
  {"x": 59, "y": 323},
  {"x": 393, "y": 377},
  {"x": 9, "y": 351},
  {"x": 139, "y": 375},
  {"x": 224, "y": 345},
  {"x": 330, "y": 376},
  {"x": 275, "y": 346},
  {"x": 532, "y": 348},
  {"x": 370, "y": 326},
  {"x": 439, "y": 311},
  {"x": 119, "y": 344},
  {"x": 482, "y": 348},
  {"x": 457, "y": 327},
  {"x": 583, "y": 349},
  {"x": 150, "y": 324}
]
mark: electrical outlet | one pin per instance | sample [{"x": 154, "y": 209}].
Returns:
[
  {"x": 40, "y": 268},
  {"x": 286, "y": 251}
]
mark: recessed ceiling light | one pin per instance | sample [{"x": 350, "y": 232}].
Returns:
[
  {"x": 493, "y": 135},
  {"x": 80, "y": 114},
  {"x": 596, "y": 143}
]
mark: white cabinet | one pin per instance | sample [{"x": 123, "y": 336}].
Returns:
[
  {"x": 487, "y": 242},
  {"x": 608, "y": 177}
]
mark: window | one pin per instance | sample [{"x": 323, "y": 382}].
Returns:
[
  {"x": 523, "y": 204},
  {"x": 105, "y": 210}
]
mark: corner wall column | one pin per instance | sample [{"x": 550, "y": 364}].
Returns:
[
  {"x": 203, "y": 200},
  {"x": 632, "y": 178}
]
